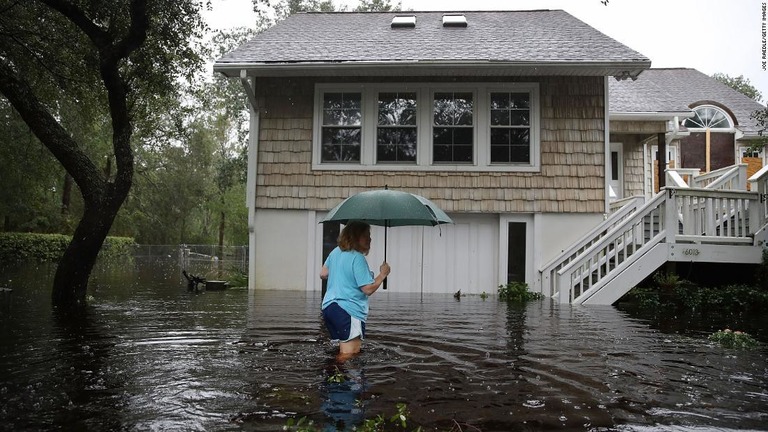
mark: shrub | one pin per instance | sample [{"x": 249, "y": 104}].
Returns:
[
  {"x": 733, "y": 339},
  {"x": 50, "y": 247},
  {"x": 517, "y": 292}
]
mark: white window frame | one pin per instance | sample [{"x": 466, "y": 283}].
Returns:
[
  {"x": 424, "y": 122},
  {"x": 727, "y": 116},
  {"x": 535, "y": 129}
]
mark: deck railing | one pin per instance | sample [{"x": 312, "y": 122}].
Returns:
[
  {"x": 620, "y": 211},
  {"x": 675, "y": 215},
  {"x": 733, "y": 177},
  {"x": 759, "y": 184}
]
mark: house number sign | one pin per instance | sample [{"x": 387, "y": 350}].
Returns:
[{"x": 691, "y": 252}]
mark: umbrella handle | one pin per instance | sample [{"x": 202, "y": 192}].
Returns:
[{"x": 384, "y": 286}]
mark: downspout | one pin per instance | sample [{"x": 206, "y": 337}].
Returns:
[
  {"x": 675, "y": 134},
  {"x": 607, "y": 150},
  {"x": 250, "y": 183}
]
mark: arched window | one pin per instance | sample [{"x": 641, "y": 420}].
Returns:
[{"x": 708, "y": 117}]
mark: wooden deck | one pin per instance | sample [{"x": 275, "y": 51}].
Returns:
[{"x": 698, "y": 218}]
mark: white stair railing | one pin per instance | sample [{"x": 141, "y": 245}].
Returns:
[
  {"x": 675, "y": 215},
  {"x": 759, "y": 184},
  {"x": 732, "y": 177},
  {"x": 643, "y": 226},
  {"x": 621, "y": 209}
]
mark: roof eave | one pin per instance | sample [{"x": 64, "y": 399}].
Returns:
[
  {"x": 648, "y": 116},
  {"x": 626, "y": 69}
]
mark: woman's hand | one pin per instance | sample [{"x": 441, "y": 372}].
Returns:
[{"x": 384, "y": 269}]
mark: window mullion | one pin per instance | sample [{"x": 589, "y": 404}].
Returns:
[
  {"x": 482, "y": 127},
  {"x": 368, "y": 146}
]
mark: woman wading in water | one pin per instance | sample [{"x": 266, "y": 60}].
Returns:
[{"x": 350, "y": 283}]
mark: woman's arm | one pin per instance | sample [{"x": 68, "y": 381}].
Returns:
[
  {"x": 324, "y": 273},
  {"x": 371, "y": 288}
]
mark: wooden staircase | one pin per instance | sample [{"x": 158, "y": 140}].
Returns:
[{"x": 708, "y": 218}]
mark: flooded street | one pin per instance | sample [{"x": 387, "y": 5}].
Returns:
[{"x": 148, "y": 355}]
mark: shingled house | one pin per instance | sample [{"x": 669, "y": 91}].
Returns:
[
  {"x": 500, "y": 118},
  {"x": 705, "y": 125}
]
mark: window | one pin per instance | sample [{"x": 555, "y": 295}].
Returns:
[
  {"x": 396, "y": 133},
  {"x": 427, "y": 126},
  {"x": 708, "y": 117},
  {"x": 452, "y": 131},
  {"x": 341, "y": 130},
  {"x": 510, "y": 127}
]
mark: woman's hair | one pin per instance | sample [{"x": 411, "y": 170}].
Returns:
[{"x": 350, "y": 236}]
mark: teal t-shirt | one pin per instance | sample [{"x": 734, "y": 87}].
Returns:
[{"x": 347, "y": 272}]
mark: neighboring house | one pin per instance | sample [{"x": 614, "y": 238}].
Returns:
[
  {"x": 708, "y": 126},
  {"x": 497, "y": 117}
]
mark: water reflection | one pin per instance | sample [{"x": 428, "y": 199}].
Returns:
[{"x": 148, "y": 355}]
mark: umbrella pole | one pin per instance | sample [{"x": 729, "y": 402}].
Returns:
[{"x": 385, "y": 251}]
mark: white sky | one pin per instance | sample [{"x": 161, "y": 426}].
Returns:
[{"x": 709, "y": 35}]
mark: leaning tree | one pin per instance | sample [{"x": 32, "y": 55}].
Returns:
[{"x": 117, "y": 59}]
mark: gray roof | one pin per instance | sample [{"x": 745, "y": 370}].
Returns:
[
  {"x": 529, "y": 39},
  {"x": 677, "y": 89}
]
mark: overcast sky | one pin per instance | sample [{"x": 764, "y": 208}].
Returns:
[{"x": 709, "y": 35}]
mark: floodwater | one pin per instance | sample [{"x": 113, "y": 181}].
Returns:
[{"x": 148, "y": 355}]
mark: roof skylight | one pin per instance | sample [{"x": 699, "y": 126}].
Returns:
[
  {"x": 454, "y": 20},
  {"x": 404, "y": 21}
]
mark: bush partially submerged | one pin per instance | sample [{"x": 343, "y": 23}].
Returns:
[
  {"x": 733, "y": 339},
  {"x": 517, "y": 292},
  {"x": 50, "y": 247}
]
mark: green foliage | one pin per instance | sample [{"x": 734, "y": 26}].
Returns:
[
  {"x": 50, "y": 247},
  {"x": 667, "y": 281},
  {"x": 377, "y": 6},
  {"x": 740, "y": 84},
  {"x": 237, "y": 278},
  {"x": 380, "y": 423},
  {"x": 337, "y": 376},
  {"x": 733, "y": 339},
  {"x": 517, "y": 292},
  {"x": 301, "y": 425},
  {"x": 671, "y": 293},
  {"x": 484, "y": 295}
]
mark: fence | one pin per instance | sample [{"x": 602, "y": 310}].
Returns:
[
  {"x": 208, "y": 261},
  {"x": 212, "y": 261}
]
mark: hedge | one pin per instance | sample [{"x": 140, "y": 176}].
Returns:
[{"x": 50, "y": 247}]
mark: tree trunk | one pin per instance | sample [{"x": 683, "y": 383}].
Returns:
[
  {"x": 66, "y": 194},
  {"x": 71, "y": 280},
  {"x": 222, "y": 224}
]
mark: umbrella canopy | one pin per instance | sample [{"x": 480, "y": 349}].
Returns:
[{"x": 388, "y": 208}]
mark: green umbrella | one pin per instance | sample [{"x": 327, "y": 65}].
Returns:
[{"x": 388, "y": 208}]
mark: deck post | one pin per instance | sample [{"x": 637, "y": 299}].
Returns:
[
  {"x": 670, "y": 215},
  {"x": 661, "y": 142}
]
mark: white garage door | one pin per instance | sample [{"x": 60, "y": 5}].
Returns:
[{"x": 445, "y": 259}]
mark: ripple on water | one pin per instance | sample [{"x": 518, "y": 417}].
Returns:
[{"x": 150, "y": 356}]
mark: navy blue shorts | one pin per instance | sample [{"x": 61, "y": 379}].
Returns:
[{"x": 341, "y": 325}]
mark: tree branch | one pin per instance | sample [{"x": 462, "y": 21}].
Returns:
[
  {"x": 99, "y": 37},
  {"x": 50, "y": 132}
]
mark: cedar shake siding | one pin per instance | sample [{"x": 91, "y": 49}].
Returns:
[
  {"x": 633, "y": 135},
  {"x": 571, "y": 178}
]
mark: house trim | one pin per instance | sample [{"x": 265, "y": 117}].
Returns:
[
  {"x": 622, "y": 70},
  {"x": 648, "y": 116},
  {"x": 424, "y": 155},
  {"x": 607, "y": 149}
]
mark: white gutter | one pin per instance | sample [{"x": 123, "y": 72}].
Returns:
[
  {"x": 675, "y": 133},
  {"x": 649, "y": 116},
  {"x": 607, "y": 148},
  {"x": 250, "y": 183},
  {"x": 621, "y": 69}
]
